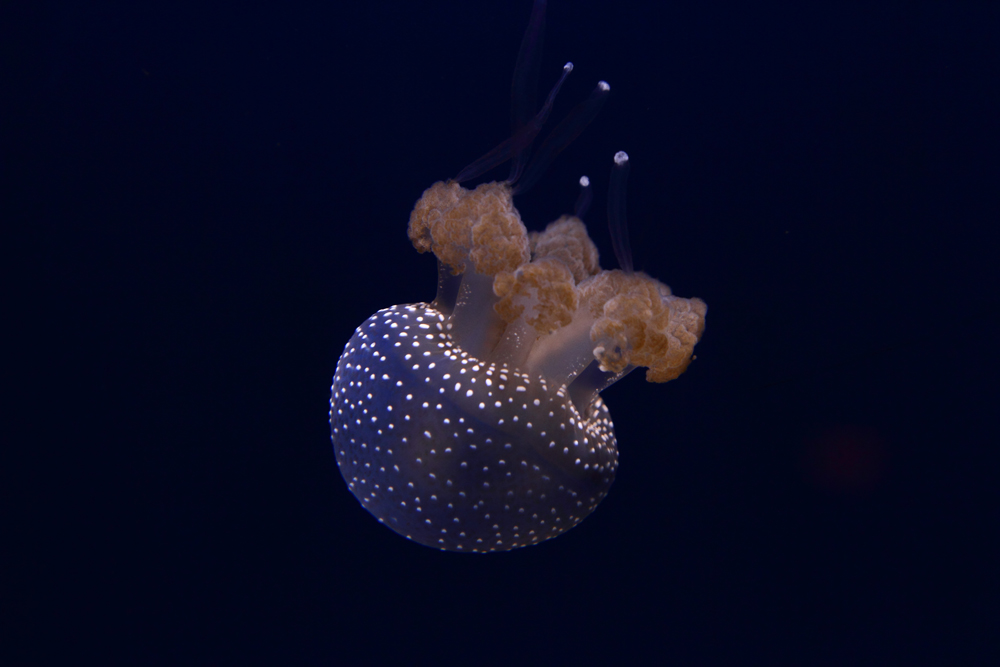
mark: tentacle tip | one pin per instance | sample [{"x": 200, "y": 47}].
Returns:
[
  {"x": 568, "y": 67},
  {"x": 584, "y": 182},
  {"x": 621, "y": 159},
  {"x": 603, "y": 85}
]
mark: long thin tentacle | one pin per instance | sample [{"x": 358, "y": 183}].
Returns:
[
  {"x": 617, "y": 220},
  {"x": 563, "y": 135},
  {"x": 517, "y": 144},
  {"x": 524, "y": 86},
  {"x": 583, "y": 201}
]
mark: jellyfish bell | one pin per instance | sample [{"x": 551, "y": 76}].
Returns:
[{"x": 474, "y": 422}]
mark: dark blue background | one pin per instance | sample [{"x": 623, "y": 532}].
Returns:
[{"x": 204, "y": 200}]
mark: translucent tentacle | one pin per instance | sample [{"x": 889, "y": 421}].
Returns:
[
  {"x": 518, "y": 145},
  {"x": 617, "y": 221},
  {"x": 563, "y": 135},
  {"x": 522, "y": 149},
  {"x": 524, "y": 87},
  {"x": 583, "y": 201}
]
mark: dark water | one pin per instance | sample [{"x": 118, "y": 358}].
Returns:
[{"x": 204, "y": 199}]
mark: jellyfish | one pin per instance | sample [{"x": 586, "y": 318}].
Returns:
[{"x": 474, "y": 422}]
